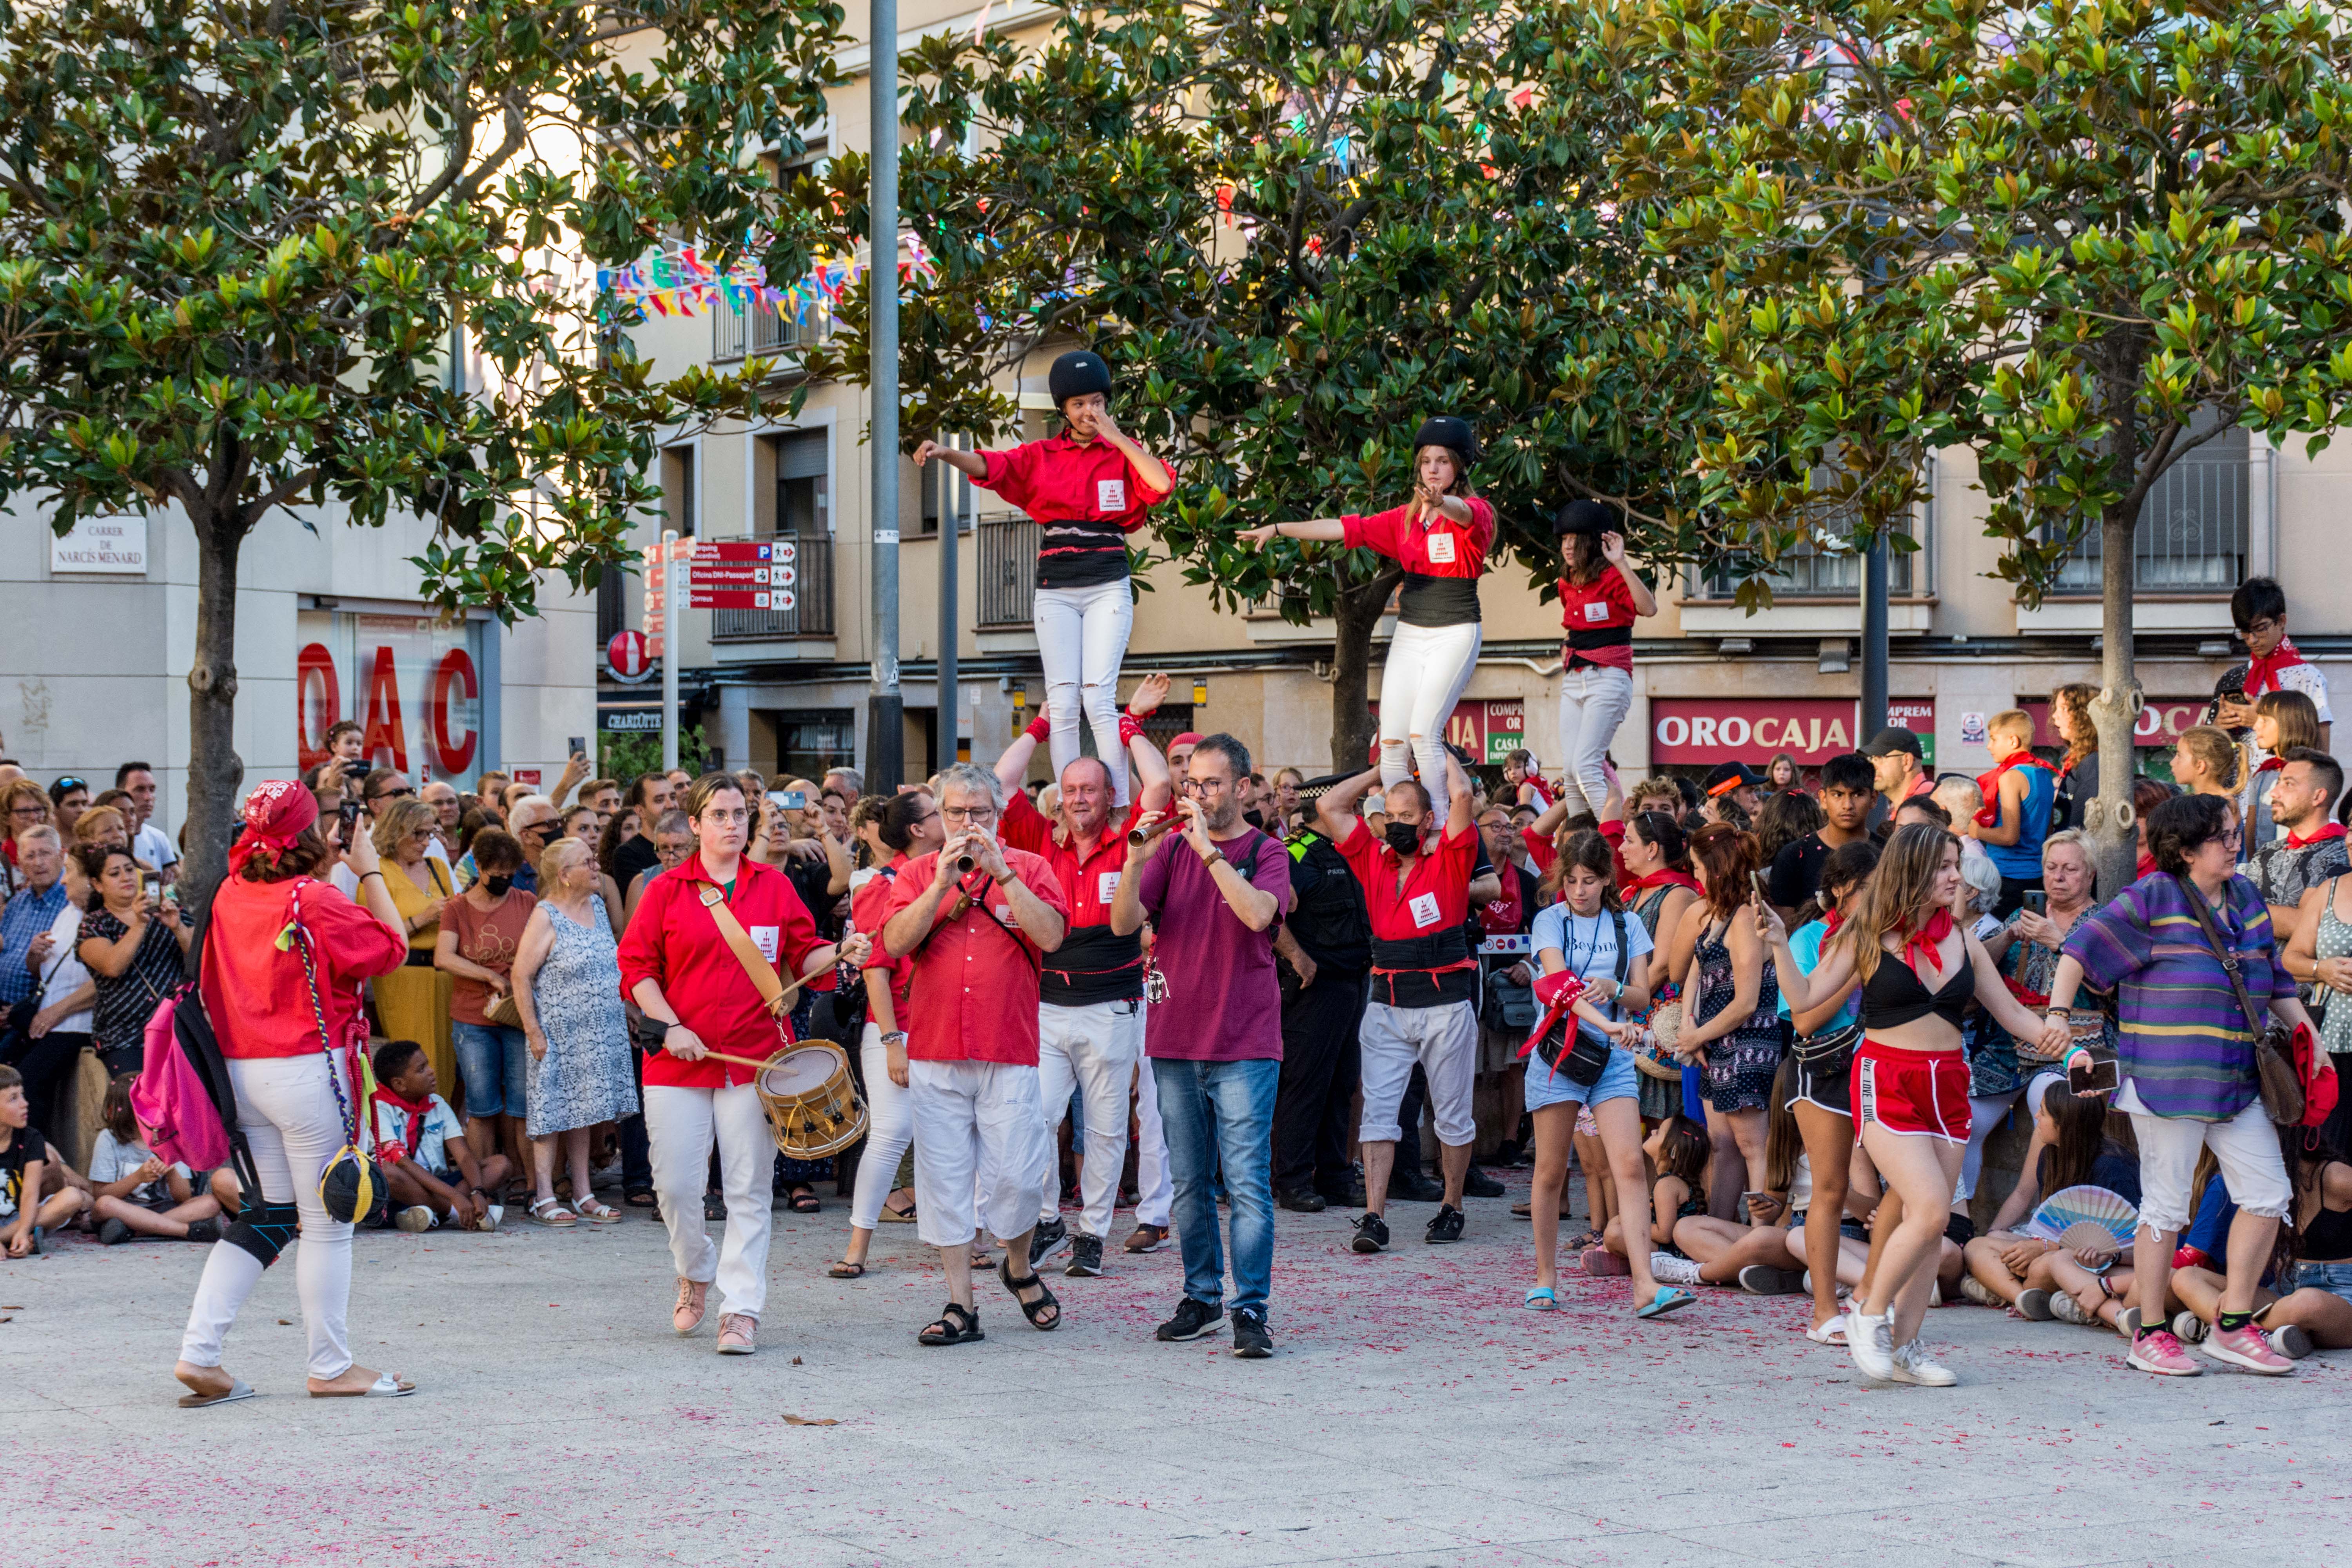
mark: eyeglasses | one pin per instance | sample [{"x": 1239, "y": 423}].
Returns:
[
  {"x": 391, "y": 794},
  {"x": 739, "y": 815},
  {"x": 968, "y": 813},
  {"x": 32, "y": 811},
  {"x": 1205, "y": 786}
]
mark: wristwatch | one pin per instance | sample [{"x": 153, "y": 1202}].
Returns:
[
  {"x": 895, "y": 1038},
  {"x": 1010, "y": 877},
  {"x": 1216, "y": 855}
]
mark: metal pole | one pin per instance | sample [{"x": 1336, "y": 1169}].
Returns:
[
  {"x": 950, "y": 550},
  {"x": 669, "y": 649},
  {"x": 1874, "y": 639},
  {"x": 885, "y": 727}
]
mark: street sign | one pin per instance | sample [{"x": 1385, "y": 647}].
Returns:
[
  {"x": 716, "y": 574},
  {"x": 700, "y": 598},
  {"x": 626, "y": 653},
  {"x": 744, "y": 549}
]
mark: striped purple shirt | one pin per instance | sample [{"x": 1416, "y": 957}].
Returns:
[{"x": 2184, "y": 1041}]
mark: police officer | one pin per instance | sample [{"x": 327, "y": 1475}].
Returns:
[{"x": 1325, "y": 947}]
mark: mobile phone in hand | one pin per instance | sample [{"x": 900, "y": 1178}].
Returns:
[
  {"x": 2087, "y": 1075},
  {"x": 1763, "y": 890},
  {"x": 2037, "y": 901},
  {"x": 788, "y": 799},
  {"x": 348, "y": 815}
]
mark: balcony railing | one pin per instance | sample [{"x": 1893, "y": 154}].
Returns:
[
  {"x": 812, "y": 611},
  {"x": 1819, "y": 574},
  {"x": 1008, "y": 571},
  {"x": 757, "y": 330},
  {"x": 2191, "y": 535}
]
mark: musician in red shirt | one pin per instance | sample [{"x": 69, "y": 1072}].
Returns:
[
  {"x": 1416, "y": 883},
  {"x": 1090, "y": 1003},
  {"x": 1442, "y": 537},
  {"x": 680, "y": 967},
  {"x": 978, "y": 935},
  {"x": 1087, "y": 490},
  {"x": 1600, "y": 599}
]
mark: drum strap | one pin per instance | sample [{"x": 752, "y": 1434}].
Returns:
[{"x": 762, "y": 974}]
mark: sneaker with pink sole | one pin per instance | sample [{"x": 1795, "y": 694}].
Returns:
[
  {"x": 1600, "y": 1263},
  {"x": 2246, "y": 1348},
  {"x": 2160, "y": 1354}
]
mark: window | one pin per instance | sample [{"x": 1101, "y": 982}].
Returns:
[
  {"x": 2192, "y": 529},
  {"x": 809, "y": 742},
  {"x": 1833, "y": 569},
  {"x": 946, "y": 491},
  {"x": 801, "y": 501},
  {"x": 678, "y": 490}
]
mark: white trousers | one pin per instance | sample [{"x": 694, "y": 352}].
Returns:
[
  {"x": 1094, "y": 1049},
  {"x": 1592, "y": 703},
  {"x": 1427, "y": 669},
  {"x": 1081, "y": 639},
  {"x": 890, "y": 1127},
  {"x": 2246, "y": 1147},
  {"x": 1444, "y": 1041},
  {"x": 975, "y": 1118},
  {"x": 286, "y": 1107},
  {"x": 1155, "y": 1188},
  {"x": 679, "y": 1126}
]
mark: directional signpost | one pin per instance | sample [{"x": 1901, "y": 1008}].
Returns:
[{"x": 743, "y": 574}]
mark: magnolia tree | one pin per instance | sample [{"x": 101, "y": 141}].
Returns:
[
  {"x": 2079, "y": 240},
  {"x": 1294, "y": 236},
  {"x": 239, "y": 240}
]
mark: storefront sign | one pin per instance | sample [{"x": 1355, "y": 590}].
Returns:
[
  {"x": 411, "y": 683},
  {"x": 109, "y": 546},
  {"x": 622, "y": 720},
  {"x": 1919, "y": 718},
  {"x": 1812, "y": 729},
  {"x": 2160, "y": 722},
  {"x": 1488, "y": 728}
]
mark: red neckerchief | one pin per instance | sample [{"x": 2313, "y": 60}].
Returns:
[
  {"x": 2262, "y": 674},
  {"x": 2332, "y": 830},
  {"x": 1665, "y": 879},
  {"x": 2271, "y": 765},
  {"x": 1926, "y": 938},
  {"x": 417, "y": 1112},
  {"x": 1989, "y": 816},
  {"x": 1830, "y": 923},
  {"x": 2145, "y": 864}
]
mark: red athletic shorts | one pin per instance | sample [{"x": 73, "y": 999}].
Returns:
[{"x": 1925, "y": 1093}]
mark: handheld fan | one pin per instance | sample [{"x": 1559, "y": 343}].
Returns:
[{"x": 2061, "y": 1212}]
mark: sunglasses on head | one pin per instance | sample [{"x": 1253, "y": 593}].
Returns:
[{"x": 68, "y": 785}]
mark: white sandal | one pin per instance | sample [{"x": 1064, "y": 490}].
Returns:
[
  {"x": 1830, "y": 1334},
  {"x": 552, "y": 1212},
  {"x": 596, "y": 1212}
]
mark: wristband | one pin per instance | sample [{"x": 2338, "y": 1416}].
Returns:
[
  {"x": 1040, "y": 730},
  {"x": 895, "y": 1038},
  {"x": 1130, "y": 728}
]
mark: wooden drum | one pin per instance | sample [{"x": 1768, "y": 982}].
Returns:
[{"x": 813, "y": 1104}]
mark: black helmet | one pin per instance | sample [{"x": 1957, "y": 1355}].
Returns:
[
  {"x": 1445, "y": 430},
  {"x": 1586, "y": 517},
  {"x": 1076, "y": 375}
]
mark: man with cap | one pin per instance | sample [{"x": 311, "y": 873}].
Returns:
[
  {"x": 1442, "y": 537},
  {"x": 1898, "y": 766},
  {"x": 1743, "y": 784},
  {"x": 1180, "y": 757},
  {"x": 1600, "y": 599},
  {"x": 1087, "y": 490},
  {"x": 1326, "y": 948}
]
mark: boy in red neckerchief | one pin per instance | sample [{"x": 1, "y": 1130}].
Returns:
[{"x": 2258, "y": 609}]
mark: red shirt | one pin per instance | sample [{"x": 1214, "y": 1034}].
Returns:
[
  {"x": 975, "y": 997},
  {"x": 866, "y": 912},
  {"x": 1085, "y": 497},
  {"x": 1436, "y": 896},
  {"x": 1092, "y": 965},
  {"x": 1599, "y": 616},
  {"x": 674, "y": 943},
  {"x": 1436, "y": 546},
  {"x": 257, "y": 996},
  {"x": 1540, "y": 848}
]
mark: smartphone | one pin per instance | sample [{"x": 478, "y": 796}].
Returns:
[
  {"x": 151, "y": 886},
  {"x": 2037, "y": 901},
  {"x": 1763, "y": 890},
  {"x": 578, "y": 746},
  {"x": 788, "y": 799},
  {"x": 2087, "y": 1075},
  {"x": 348, "y": 814}
]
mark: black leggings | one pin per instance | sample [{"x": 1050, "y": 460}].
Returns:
[{"x": 48, "y": 1065}]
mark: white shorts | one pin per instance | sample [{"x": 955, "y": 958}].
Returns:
[
  {"x": 1444, "y": 1041},
  {"x": 975, "y": 1118}
]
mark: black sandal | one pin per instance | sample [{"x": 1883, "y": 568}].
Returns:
[
  {"x": 957, "y": 1325},
  {"x": 638, "y": 1198},
  {"x": 803, "y": 1200},
  {"x": 1046, "y": 1300},
  {"x": 845, "y": 1269}
]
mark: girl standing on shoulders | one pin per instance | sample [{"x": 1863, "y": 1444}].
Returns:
[
  {"x": 1442, "y": 537},
  {"x": 1918, "y": 967},
  {"x": 1086, "y": 489},
  {"x": 1600, "y": 599}
]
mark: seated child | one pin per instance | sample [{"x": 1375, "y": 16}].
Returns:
[
  {"x": 135, "y": 1194},
  {"x": 431, "y": 1175},
  {"x": 1677, "y": 1150},
  {"x": 2071, "y": 1148},
  {"x": 1756, "y": 1256},
  {"x": 25, "y": 1163},
  {"x": 2307, "y": 1305}
]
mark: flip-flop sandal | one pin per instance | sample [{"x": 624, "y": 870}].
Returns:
[
  {"x": 1669, "y": 1300},
  {"x": 897, "y": 1216},
  {"x": 237, "y": 1389},
  {"x": 1523, "y": 1211},
  {"x": 1541, "y": 1299},
  {"x": 385, "y": 1386},
  {"x": 844, "y": 1270},
  {"x": 640, "y": 1200},
  {"x": 805, "y": 1202},
  {"x": 1590, "y": 1238},
  {"x": 1830, "y": 1334}
]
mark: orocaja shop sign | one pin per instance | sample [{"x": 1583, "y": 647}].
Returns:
[{"x": 1810, "y": 729}]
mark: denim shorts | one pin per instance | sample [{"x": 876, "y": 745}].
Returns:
[
  {"x": 494, "y": 1061},
  {"x": 2335, "y": 1278},
  {"x": 1619, "y": 1081}
]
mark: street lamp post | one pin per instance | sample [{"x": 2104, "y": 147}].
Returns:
[
  {"x": 1874, "y": 638},
  {"x": 885, "y": 727}
]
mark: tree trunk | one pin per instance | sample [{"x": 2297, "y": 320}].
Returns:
[
  {"x": 2116, "y": 711},
  {"x": 214, "y": 770},
  {"x": 1355, "y": 614}
]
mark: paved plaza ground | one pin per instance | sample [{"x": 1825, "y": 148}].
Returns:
[{"x": 1414, "y": 1416}]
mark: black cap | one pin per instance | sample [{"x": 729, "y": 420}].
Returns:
[
  {"x": 1316, "y": 789},
  {"x": 1894, "y": 738},
  {"x": 1728, "y": 776},
  {"x": 1445, "y": 430},
  {"x": 1586, "y": 517},
  {"x": 1076, "y": 375}
]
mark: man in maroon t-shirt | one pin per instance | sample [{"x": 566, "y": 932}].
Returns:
[
  {"x": 1090, "y": 1003},
  {"x": 1417, "y": 889}
]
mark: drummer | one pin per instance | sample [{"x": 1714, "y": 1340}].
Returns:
[
  {"x": 678, "y": 964},
  {"x": 977, "y": 918}
]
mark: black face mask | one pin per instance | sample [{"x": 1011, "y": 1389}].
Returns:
[
  {"x": 1404, "y": 838},
  {"x": 498, "y": 885}
]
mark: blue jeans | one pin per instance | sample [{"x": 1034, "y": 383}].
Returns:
[
  {"x": 1213, "y": 1113},
  {"x": 494, "y": 1061}
]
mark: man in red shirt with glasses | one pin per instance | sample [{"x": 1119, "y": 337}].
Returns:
[{"x": 978, "y": 919}]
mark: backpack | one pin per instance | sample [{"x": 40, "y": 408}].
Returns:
[{"x": 183, "y": 1097}]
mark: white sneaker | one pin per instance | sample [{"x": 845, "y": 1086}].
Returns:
[
  {"x": 414, "y": 1218},
  {"x": 1911, "y": 1364},
  {"x": 1668, "y": 1269},
  {"x": 1871, "y": 1343},
  {"x": 494, "y": 1216}
]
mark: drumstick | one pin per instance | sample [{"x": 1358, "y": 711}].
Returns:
[{"x": 739, "y": 1061}]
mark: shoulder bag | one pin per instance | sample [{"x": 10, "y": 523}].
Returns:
[
  {"x": 2273, "y": 1041},
  {"x": 1568, "y": 1050},
  {"x": 351, "y": 1187}
]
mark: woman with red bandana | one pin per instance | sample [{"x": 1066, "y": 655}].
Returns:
[
  {"x": 1909, "y": 1089},
  {"x": 266, "y": 1009}
]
